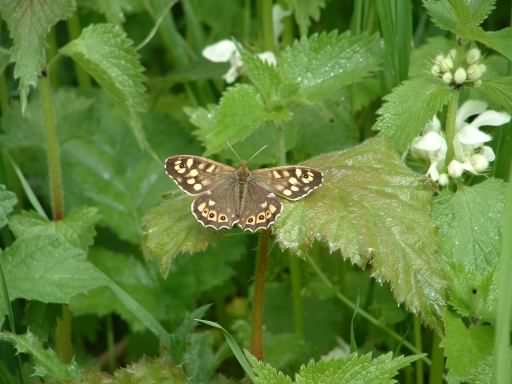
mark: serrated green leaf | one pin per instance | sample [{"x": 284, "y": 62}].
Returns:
[
  {"x": 7, "y": 202},
  {"x": 469, "y": 351},
  {"x": 304, "y": 10},
  {"x": 422, "y": 57},
  {"x": 29, "y": 22},
  {"x": 354, "y": 369},
  {"x": 239, "y": 114},
  {"x": 170, "y": 229},
  {"x": 500, "y": 41},
  {"x": 459, "y": 15},
  {"x": 323, "y": 63},
  {"x": 108, "y": 55},
  {"x": 374, "y": 210},
  {"x": 47, "y": 268},
  {"x": 265, "y": 373},
  {"x": 473, "y": 11},
  {"x": 77, "y": 228},
  {"x": 498, "y": 91},
  {"x": 47, "y": 363},
  {"x": 468, "y": 224},
  {"x": 113, "y": 10},
  {"x": 409, "y": 107}
]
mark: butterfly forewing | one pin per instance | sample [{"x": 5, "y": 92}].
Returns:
[
  {"x": 259, "y": 209},
  {"x": 194, "y": 174},
  {"x": 290, "y": 182}
]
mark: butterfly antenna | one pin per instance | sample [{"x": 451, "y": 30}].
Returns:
[
  {"x": 257, "y": 152},
  {"x": 235, "y": 152}
]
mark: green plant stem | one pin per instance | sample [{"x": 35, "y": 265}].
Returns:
[
  {"x": 12, "y": 321},
  {"x": 437, "y": 367},
  {"x": 298, "y": 307},
  {"x": 4, "y": 93},
  {"x": 246, "y": 29},
  {"x": 63, "y": 344},
  {"x": 259, "y": 296},
  {"x": 52, "y": 52},
  {"x": 111, "y": 348},
  {"x": 267, "y": 26},
  {"x": 504, "y": 306},
  {"x": 362, "y": 312},
  {"x": 451, "y": 114},
  {"x": 74, "y": 30},
  {"x": 419, "y": 346}
]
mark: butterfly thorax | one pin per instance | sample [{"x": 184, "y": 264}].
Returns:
[{"x": 243, "y": 173}]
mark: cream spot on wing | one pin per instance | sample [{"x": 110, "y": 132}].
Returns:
[
  {"x": 193, "y": 173},
  {"x": 190, "y": 162},
  {"x": 177, "y": 162},
  {"x": 211, "y": 168},
  {"x": 191, "y": 181},
  {"x": 298, "y": 172},
  {"x": 293, "y": 180},
  {"x": 286, "y": 174},
  {"x": 264, "y": 204},
  {"x": 307, "y": 188},
  {"x": 306, "y": 180},
  {"x": 179, "y": 179},
  {"x": 276, "y": 174},
  {"x": 272, "y": 208},
  {"x": 261, "y": 218},
  {"x": 212, "y": 216},
  {"x": 287, "y": 192},
  {"x": 250, "y": 220},
  {"x": 201, "y": 166},
  {"x": 201, "y": 206},
  {"x": 223, "y": 218},
  {"x": 206, "y": 182},
  {"x": 198, "y": 187},
  {"x": 279, "y": 187},
  {"x": 211, "y": 203},
  {"x": 205, "y": 212},
  {"x": 271, "y": 195},
  {"x": 294, "y": 188},
  {"x": 179, "y": 169},
  {"x": 268, "y": 213}
]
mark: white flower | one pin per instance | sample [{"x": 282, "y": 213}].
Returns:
[
  {"x": 278, "y": 14},
  {"x": 225, "y": 51},
  {"x": 432, "y": 146},
  {"x": 447, "y": 77},
  {"x": 460, "y": 75},
  {"x": 455, "y": 168},
  {"x": 443, "y": 180}
]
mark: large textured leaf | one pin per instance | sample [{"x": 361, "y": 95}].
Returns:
[
  {"x": 469, "y": 351},
  {"x": 7, "y": 202},
  {"x": 46, "y": 362},
  {"x": 469, "y": 223},
  {"x": 323, "y": 63},
  {"x": 46, "y": 268},
  {"x": 459, "y": 15},
  {"x": 29, "y": 22},
  {"x": 108, "y": 55},
  {"x": 377, "y": 212},
  {"x": 409, "y": 107},
  {"x": 304, "y": 11}
]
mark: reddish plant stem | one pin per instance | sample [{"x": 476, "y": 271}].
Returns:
[{"x": 259, "y": 295}]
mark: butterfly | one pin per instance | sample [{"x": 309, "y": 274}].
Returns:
[{"x": 227, "y": 196}]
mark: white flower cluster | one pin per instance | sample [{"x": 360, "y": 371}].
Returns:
[
  {"x": 471, "y": 154},
  {"x": 455, "y": 69}
]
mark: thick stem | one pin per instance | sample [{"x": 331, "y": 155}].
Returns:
[
  {"x": 74, "y": 29},
  {"x": 437, "y": 367},
  {"x": 267, "y": 25},
  {"x": 259, "y": 296},
  {"x": 419, "y": 346},
  {"x": 110, "y": 344},
  {"x": 451, "y": 115},
  {"x": 63, "y": 343},
  {"x": 298, "y": 307}
]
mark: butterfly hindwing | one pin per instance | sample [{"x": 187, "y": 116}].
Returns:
[
  {"x": 290, "y": 182},
  {"x": 260, "y": 208},
  {"x": 218, "y": 208},
  {"x": 194, "y": 174}
]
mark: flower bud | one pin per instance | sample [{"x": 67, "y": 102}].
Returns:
[
  {"x": 443, "y": 180},
  {"x": 478, "y": 83},
  {"x": 436, "y": 70},
  {"x": 447, "y": 77},
  {"x": 446, "y": 64},
  {"x": 473, "y": 55},
  {"x": 439, "y": 59},
  {"x": 455, "y": 168},
  {"x": 460, "y": 75},
  {"x": 453, "y": 53},
  {"x": 479, "y": 162},
  {"x": 483, "y": 68},
  {"x": 474, "y": 72}
]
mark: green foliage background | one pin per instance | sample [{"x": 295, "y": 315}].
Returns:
[{"x": 379, "y": 276}]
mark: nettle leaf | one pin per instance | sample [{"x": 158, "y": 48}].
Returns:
[
  {"x": 498, "y": 91},
  {"x": 108, "y": 55},
  {"x": 77, "y": 228},
  {"x": 459, "y": 15},
  {"x": 469, "y": 223},
  {"x": 47, "y": 268},
  {"x": 240, "y": 113},
  {"x": 113, "y": 10},
  {"x": 304, "y": 10},
  {"x": 46, "y": 362},
  {"x": 409, "y": 107},
  {"x": 323, "y": 63},
  {"x": 170, "y": 229},
  {"x": 422, "y": 58},
  {"x": 7, "y": 202},
  {"x": 265, "y": 373},
  {"x": 469, "y": 351},
  {"x": 375, "y": 211},
  {"x": 29, "y": 22}
]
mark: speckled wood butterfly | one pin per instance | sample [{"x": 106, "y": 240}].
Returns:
[{"x": 227, "y": 196}]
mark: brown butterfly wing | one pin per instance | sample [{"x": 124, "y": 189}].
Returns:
[
  {"x": 195, "y": 174},
  {"x": 290, "y": 182},
  {"x": 259, "y": 209}
]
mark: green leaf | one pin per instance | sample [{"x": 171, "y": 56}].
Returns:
[
  {"x": 459, "y": 15},
  {"x": 29, "y": 22},
  {"x": 47, "y": 363},
  {"x": 376, "y": 211},
  {"x": 239, "y": 114},
  {"x": 77, "y": 228},
  {"x": 5, "y": 58},
  {"x": 354, "y": 369},
  {"x": 470, "y": 238},
  {"x": 47, "y": 268},
  {"x": 265, "y": 373},
  {"x": 170, "y": 229},
  {"x": 108, "y": 55},
  {"x": 469, "y": 351},
  {"x": 422, "y": 58},
  {"x": 113, "y": 10},
  {"x": 323, "y": 63},
  {"x": 498, "y": 91},
  {"x": 409, "y": 107},
  {"x": 7, "y": 202},
  {"x": 501, "y": 40},
  {"x": 304, "y": 10}
]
